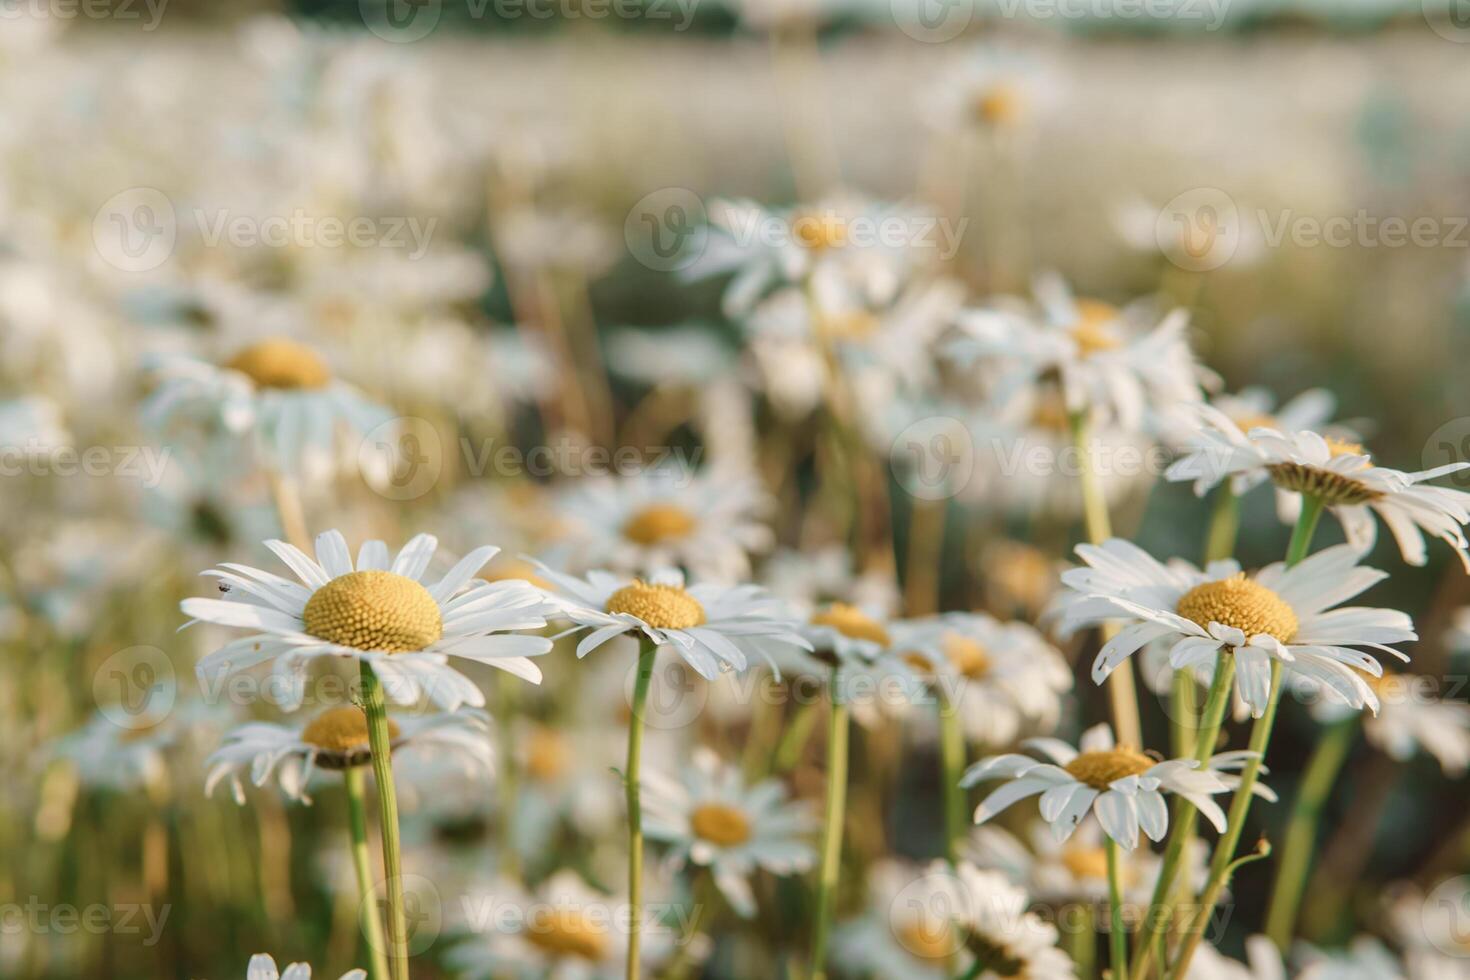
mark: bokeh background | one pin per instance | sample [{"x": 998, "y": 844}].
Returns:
[{"x": 537, "y": 146}]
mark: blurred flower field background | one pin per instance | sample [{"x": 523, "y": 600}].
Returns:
[{"x": 784, "y": 353}]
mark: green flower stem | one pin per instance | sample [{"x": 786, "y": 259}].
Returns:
[
  {"x": 952, "y": 760},
  {"x": 1122, "y": 690},
  {"x": 367, "y": 906},
  {"x": 378, "y": 742},
  {"x": 646, "y": 653},
  {"x": 1117, "y": 937},
  {"x": 1260, "y": 740},
  {"x": 1081, "y": 940},
  {"x": 837, "y": 733},
  {"x": 1224, "y": 524},
  {"x": 1184, "y": 817},
  {"x": 1301, "y": 830},
  {"x": 798, "y": 732}
]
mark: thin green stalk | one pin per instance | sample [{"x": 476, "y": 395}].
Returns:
[
  {"x": 1117, "y": 938},
  {"x": 646, "y": 653},
  {"x": 952, "y": 761},
  {"x": 837, "y": 732},
  {"x": 1224, "y": 524},
  {"x": 798, "y": 732},
  {"x": 1260, "y": 740},
  {"x": 1184, "y": 817},
  {"x": 704, "y": 895},
  {"x": 367, "y": 906},
  {"x": 1301, "y": 830},
  {"x": 1081, "y": 940},
  {"x": 1122, "y": 690},
  {"x": 378, "y": 742}
]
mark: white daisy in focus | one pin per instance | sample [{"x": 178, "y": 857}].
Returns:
[
  {"x": 377, "y": 611},
  {"x": 707, "y": 523},
  {"x": 715, "y": 628},
  {"x": 1120, "y": 366},
  {"x": 337, "y": 739},
  {"x": 1411, "y": 717},
  {"x": 1341, "y": 474},
  {"x": 263, "y": 967},
  {"x": 710, "y": 818},
  {"x": 279, "y": 391},
  {"x": 1000, "y": 677},
  {"x": 1123, "y": 787},
  {"x": 1281, "y": 614},
  {"x": 1256, "y": 407}
]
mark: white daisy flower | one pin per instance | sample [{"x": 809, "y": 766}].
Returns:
[
  {"x": 263, "y": 967},
  {"x": 1120, "y": 365},
  {"x": 120, "y": 753},
  {"x": 1340, "y": 473},
  {"x": 337, "y": 739},
  {"x": 1280, "y": 613},
  {"x": 810, "y": 577},
  {"x": 999, "y": 929},
  {"x": 1000, "y": 676},
  {"x": 279, "y": 391},
  {"x": 904, "y": 931},
  {"x": 562, "y": 931},
  {"x": 1121, "y": 785},
  {"x": 1263, "y": 962},
  {"x": 1256, "y": 407},
  {"x": 1431, "y": 928},
  {"x": 379, "y": 612},
  {"x": 1366, "y": 958},
  {"x": 711, "y": 818},
  {"x": 715, "y": 628},
  {"x": 1075, "y": 869},
  {"x": 1411, "y": 717},
  {"x": 708, "y": 523},
  {"x": 838, "y": 238}
]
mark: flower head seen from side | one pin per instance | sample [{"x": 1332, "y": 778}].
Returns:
[
  {"x": 994, "y": 917},
  {"x": 707, "y": 523},
  {"x": 337, "y": 739},
  {"x": 1072, "y": 870},
  {"x": 715, "y": 628},
  {"x": 380, "y": 611},
  {"x": 263, "y": 967},
  {"x": 1121, "y": 785},
  {"x": 710, "y": 818},
  {"x": 279, "y": 390},
  {"x": 1339, "y": 472},
  {"x": 1120, "y": 366},
  {"x": 1279, "y": 613}
]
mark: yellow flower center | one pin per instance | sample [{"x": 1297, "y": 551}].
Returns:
[
  {"x": 513, "y": 569},
  {"x": 1091, "y": 331},
  {"x": 967, "y": 655},
  {"x": 568, "y": 932},
  {"x": 853, "y": 325},
  {"x": 719, "y": 824},
  {"x": 1086, "y": 862},
  {"x": 1242, "y": 603},
  {"x": 999, "y": 105},
  {"x": 1101, "y": 769},
  {"x": 1245, "y": 423},
  {"x": 1344, "y": 447},
  {"x": 665, "y": 607},
  {"x": 281, "y": 363},
  {"x": 374, "y": 610},
  {"x": 928, "y": 939},
  {"x": 342, "y": 730},
  {"x": 819, "y": 231},
  {"x": 852, "y": 622},
  {"x": 658, "y": 523},
  {"x": 546, "y": 755}
]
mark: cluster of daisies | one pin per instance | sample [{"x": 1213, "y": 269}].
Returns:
[{"x": 803, "y": 691}]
